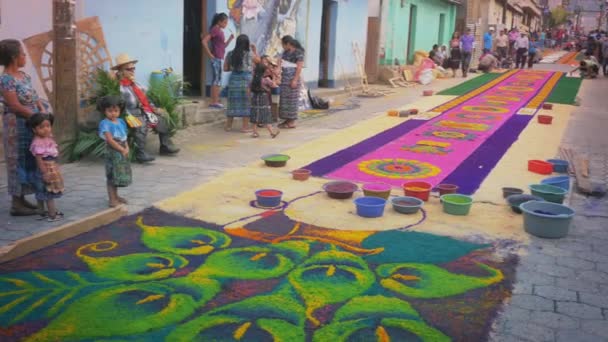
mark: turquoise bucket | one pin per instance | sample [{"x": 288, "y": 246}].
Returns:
[
  {"x": 548, "y": 192},
  {"x": 547, "y": 220},
  {"x": 559, "y": 181},
  {"x": 559, "y": 165}
]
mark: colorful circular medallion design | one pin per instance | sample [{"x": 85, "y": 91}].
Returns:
[
  {"x": 450, "y": 135},
  {"x": 485, "y": 109},
  {"x": 477, "y": 116},
  {"x": 398, "y": 168},
  {"x": 517, "y": 89}
]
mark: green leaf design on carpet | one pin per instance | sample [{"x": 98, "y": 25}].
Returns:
[
  {"x": 377, "y": 318},
  {"x": 131, "y": 267},
  {"x": 565, "y": 91},
  {"x": 40, "y": 295},
  {"x": 255, "y": 262},
  {"x": 416, "y": 247},
  {"x": 330, "y": 277},
  {"x": 470, "y": 85},
  {"x": 275, "y": 317},
  {"x": 182, "y": 240},
  {"x": 123, "y": 310},
  {"x": 430, "y": 281}
]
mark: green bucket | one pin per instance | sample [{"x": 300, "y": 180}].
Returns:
[
  {"x": 456, "y": 204},
  {"x": 549, "y": 193}
]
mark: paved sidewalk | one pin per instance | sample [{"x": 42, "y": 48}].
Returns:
[
  {"x": 206, "y": 152},
  {"x": 561, "y": 291}
]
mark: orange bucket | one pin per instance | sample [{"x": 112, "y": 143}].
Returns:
[{"x": 420, "y": 190}]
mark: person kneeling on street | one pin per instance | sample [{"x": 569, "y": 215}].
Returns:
[
  {"x": 138, "y": 105},
  {"x": 487, "y": 62}
]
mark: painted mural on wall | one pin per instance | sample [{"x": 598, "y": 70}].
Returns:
[
  {"x": 266, "y": 21},
  {"x": 157, "y": 276}
]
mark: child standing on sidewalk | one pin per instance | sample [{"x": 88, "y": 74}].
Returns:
[
  {"x": 261, "y": 113},
  {"x": 44, "y": 149},
  {"x": 113, "y": 130}
]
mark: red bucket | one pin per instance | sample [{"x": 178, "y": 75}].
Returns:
[
  {"x": 548, "y": 106},
  {"x": 427, "y": 93},
  {"x": 540, "y": 166},
  {"x": 545, "y": 119},
  {"x": 420, "y": 190},
  {"x": 445, "y": 189}
]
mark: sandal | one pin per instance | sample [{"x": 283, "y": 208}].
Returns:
[
  {"x": 55, "y": 218},
  {"x": 255, "y": 135},
  {"x": 122, "y": 200},
  {"x": 246, "y": 130},
  {"x": 274, "y": 135}
]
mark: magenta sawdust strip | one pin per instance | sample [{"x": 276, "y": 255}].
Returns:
[{"x": 433, "y": 150}]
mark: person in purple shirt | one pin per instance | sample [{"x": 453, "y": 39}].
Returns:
[
  {"x": 467, "y": 42},
  {"x": 216, "y": 54}
]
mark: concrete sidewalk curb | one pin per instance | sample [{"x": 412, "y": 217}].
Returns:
[{"x": 64, "y": 232}]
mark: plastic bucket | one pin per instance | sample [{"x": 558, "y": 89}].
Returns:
[
  {"x": 377, "y": 190},
  {"x": 559, "y": 165},
  {"x": 301, "y": 174},
  {"x": 456, "y": 204},
  {"x": 515, "y": 201},
  {"x": 275, "y": 160},
  {"x": 547, "y": 106},
  {"x": 340, "y": 189},
  {"x": 370, "y": 206},
  {"x": 268, "y": 198},
  {"x": 548, "y": 192},
  {"x": 445, "y": 189},
  {"x": 506, "y": 192},
  {"x": 547, "y": 220},
  {"x": 559, "y": 181},
  {"x": 420, "y": 190},
  {"x": 406, "y": 204},
  {"x": 545, "y": 119},
  {"x": 540, "y": 166}
]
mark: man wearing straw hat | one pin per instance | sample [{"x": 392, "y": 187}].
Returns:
[{"x": 138, "y": 105}]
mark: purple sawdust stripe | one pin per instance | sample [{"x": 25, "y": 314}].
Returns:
[
  {"x": 334, "y": 161},
  {"x": 471, "y": 173}
]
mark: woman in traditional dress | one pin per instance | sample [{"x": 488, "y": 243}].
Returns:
[
  {"x": 20, "y": 102},
  {"x": 455, "y": 55},
  {"x": 240, "y": 63},
  {"x": 292, "y": 63}
]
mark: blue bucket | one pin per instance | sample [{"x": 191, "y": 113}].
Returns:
[
  {"x": 268, "y": 198},
  {"x": 559, "y": 165},
  {"x": 370, "y": 206},
  {"x": 559, "y": 181},
  {"x": 547, "y": 220}
]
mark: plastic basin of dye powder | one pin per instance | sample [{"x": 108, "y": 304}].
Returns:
[
  {"x": 377, "y": 190},
  {"x": 547, "y": 220},
  {"x": 559, "y": 165},
  {"x": 268, "y": 198},
  {"x": 515, "y": 201},
  {"x": 540, "y": 167},
  {"x": 548, "y": 192},
  {"x": 301, "y": 174},
  {"x": 420, "y": 190},
  {"x": 456, "y": 204},
  {"x": 545, "y": 119},
  {"x": 370, "y": 206},
  {"x": 340, "y": 189},
  {"x": 547, "y": 106},
  {"x": 445, "y": 189},
  {"x": 406, "y": 204},
  {"x": 506, "y": 192},
  {"x": 275, "y": 160},
  {"x": 559, "y": 181}
]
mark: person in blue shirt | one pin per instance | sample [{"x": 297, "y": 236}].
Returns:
[
  {"x": 487, "y": 40},
  {"x": 532, "y": 50}
]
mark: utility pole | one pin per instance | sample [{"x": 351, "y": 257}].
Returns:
[{"x": 65, "y": 73}]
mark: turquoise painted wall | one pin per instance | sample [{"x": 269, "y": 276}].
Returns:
[
  {"x": 148, "y": 30},
  {"x": 426, "y": 34}
]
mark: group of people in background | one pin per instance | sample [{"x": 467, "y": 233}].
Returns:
[{"x": 252, "y": 78}]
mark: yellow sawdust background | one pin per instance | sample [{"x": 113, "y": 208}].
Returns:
[{"x": 227, "y": 197}]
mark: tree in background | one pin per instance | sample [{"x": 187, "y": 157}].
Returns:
[{"x": 559, "y": 16}]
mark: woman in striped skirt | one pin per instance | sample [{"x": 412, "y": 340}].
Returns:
[
  {"x": 240, "y": 63},
  {"x": 291, "y": 65}
]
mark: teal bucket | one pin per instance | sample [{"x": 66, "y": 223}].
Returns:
[
  {"x": 548, "y": 192},
  {"x": 456, "y": 204},
  {"x": 559, "y": 181},
  {"x": 547, "y": 220}
]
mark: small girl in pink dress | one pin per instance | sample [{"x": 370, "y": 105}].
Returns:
[{"x": 44, "y": 149}]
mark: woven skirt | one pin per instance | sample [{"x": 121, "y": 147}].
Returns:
[
  {"x": 118, "y": 168},
  {"x": 261, "y": 113},
  {"x": 49, "y": 185},
  {"x": 289, "y": 100},
  {"x": 239, "y": 104}
]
